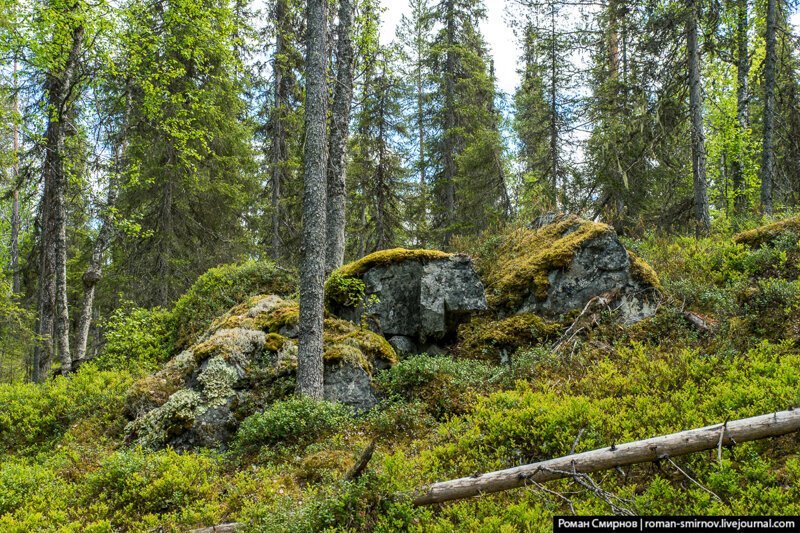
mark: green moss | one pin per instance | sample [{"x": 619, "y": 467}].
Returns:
[
  {"x": 489, "y": 339},
  {"x": 643, "y": 272},
  {"x": 345, "y": 341},
  {"x": 526, "y": 257},
  {"x": 342, "y": 287},
  {"x": 221, "y": 288},
  {"x": 388, "y": 257},
  {"x": 275, "y": 342},
  {"x": 766, "y": 234}
]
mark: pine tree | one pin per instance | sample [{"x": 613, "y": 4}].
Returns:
[
  {"x": 189, "y": 174},
  {"x": 467, "y": 152},
  {"x": 284, "y": 130},
  {"x": 378, "y": 175},
  {"x": 533, "y": 117},
  {"x": 413, "y": 38}
]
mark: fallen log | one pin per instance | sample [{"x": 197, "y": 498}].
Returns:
[{"x": 643, "y": 451}]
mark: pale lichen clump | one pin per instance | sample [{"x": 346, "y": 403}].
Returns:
[
  {"x": 216, "y": 382},
  {"x": 526, "y": 257},
  {"x": 154, "y": 428},
  {"x": 766, "y": 234},
  {"x": 235, "y": 345}
]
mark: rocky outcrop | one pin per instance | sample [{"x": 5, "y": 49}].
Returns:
[
  {"x": 561, "y": 263},
  {"x": 246, "y": 360},
  {"x": 415, "y": 298}
]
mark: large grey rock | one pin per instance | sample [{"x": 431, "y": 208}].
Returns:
[
  {"x": 199, "y": 398},
  {"x": 601, "y": 267},
  {"x": 349, "y": 384},
  {"x": 421, "y": 300}
]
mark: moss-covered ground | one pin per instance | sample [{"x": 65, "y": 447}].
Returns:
[{"x": 64, "y": 464}]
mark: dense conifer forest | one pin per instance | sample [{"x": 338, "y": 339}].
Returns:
[{"x": 283, "y": 265}]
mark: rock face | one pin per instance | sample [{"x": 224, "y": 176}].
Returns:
[
  {"x": 246, "y": 360},
  {"x": 415, "y": 298},
  {"x": 561, "y": 263}
]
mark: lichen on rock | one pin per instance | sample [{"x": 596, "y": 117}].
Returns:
[
  {"x": 239, "y": 365},
  {"x": 419, "y": 294},
  {"x": 561, "y": 264}
]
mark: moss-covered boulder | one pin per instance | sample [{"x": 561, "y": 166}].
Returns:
[
  {"x": 418, "y": 297},
  {"x": 246, "y": 360},
  {"x": 768, "y": 233},
  {"x": 221, "y": 288},
  {"x": 496, "y": 340},
  {"x": 559, "y": 266}
]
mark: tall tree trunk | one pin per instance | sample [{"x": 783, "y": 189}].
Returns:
[
  {"x": 742, "y": 105},
  {"x": 43, "y": 352},
  {"x": 94, "y": 273},
  {"x": 15, "y": 216},
  {"x": 53, "y": 304},
  {"x": 340, "y": 127},
  {"x": 768, "y": 146},
  {"x": 449, "y": 125},
  {"x": 701, "y": 214},
  {"x": 312, "y": 268},
  {"x": 278, "y": 148}
]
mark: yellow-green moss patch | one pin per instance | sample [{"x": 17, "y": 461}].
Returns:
[
  {"x": 643, "y": 272},
  {"x": 526, "y": 257},
  {"x": 388, "y": 257},
  {"x": 766, "y": 234},
  {"x": 342, "y": 340},
  {"x": 275, "y": 342},
  {"x": 344, "y": 288},
  {"x": 484, "y": 338}
]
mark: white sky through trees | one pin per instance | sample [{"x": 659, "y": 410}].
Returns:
[{"x": 498, "y": 34}]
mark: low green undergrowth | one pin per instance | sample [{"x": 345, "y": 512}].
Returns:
[{"x": 64, "y": 464}]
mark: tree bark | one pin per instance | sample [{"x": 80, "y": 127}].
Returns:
[
  {"x": 53, "y": 304},
  {"x": 94, "y": 273},
  {"x": 553, "y": 108},
  {"x": 312, "y": 268},
  {"x": 340, "y": 127},
  {"x": 768, "y": 147},
  {"x": 742, "y": 105},
  {"x": 643, "y": 451},
  {"x": 701, "y": 214}
]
